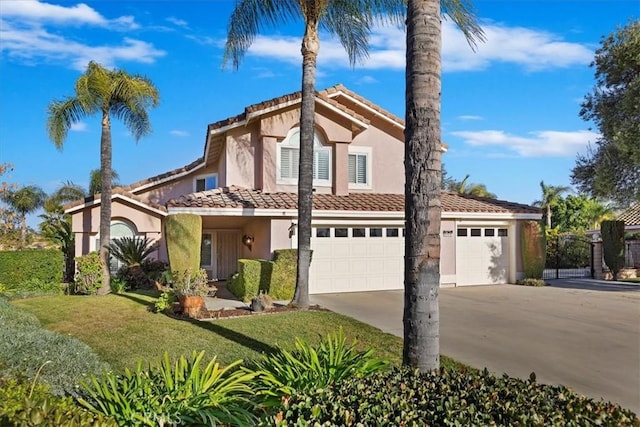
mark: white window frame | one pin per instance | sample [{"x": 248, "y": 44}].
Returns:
[
  {"x": 318, "y": 145},
  {"x": 94, "y": 240},
  {"x": 204, "y": 176},
  {"x": 368, "y": 153}
]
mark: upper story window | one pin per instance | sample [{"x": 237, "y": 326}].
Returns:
[
  {"x": 359, "y": 167},
  {"x": 205, "y": 182},
  {"x": 289, "y": 160}
]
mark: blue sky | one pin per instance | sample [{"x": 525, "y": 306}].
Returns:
[{"x": 509, "y": 110}]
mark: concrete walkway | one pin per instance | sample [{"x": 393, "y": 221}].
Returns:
[{"x": 584, "y": 334}]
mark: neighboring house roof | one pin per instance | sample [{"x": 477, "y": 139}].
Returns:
[
  {"x": 243, "y": 198},
  {"x": 631, "y": 216},
  {"x": 117, "y": 193}
]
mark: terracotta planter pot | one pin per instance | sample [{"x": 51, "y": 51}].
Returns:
[{"x": 191, "y": 305}]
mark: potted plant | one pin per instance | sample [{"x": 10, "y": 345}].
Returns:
[{"x": 190, "y": 288}]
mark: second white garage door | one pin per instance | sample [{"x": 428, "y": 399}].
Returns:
[
  {"x": 356, "y": 258},
  {"x": 482, "y": 255}
]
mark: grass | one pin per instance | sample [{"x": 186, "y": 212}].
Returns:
[{"x": 121, "y": 330}]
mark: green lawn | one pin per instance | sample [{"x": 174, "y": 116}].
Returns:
[{"x": 122, "y": 330}]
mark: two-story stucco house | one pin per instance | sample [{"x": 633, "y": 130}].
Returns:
[{"x": 244, "y": 188}]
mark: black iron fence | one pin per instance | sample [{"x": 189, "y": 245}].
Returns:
[{"x": 569, "y": 256}]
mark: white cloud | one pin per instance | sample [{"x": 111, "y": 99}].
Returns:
[
  {"x": 78, "y": 127},
  {"x": 36, "y": 11},
  {"x": 367, "y": 80},
  {"x": 532, "y": 50},
  {"x": 180, "y": 133},
  {"x": 37, "y": 44},
  {"x": 469, "y": 117},
  {"x": 546, "y": 143},
  {"x": 178, "y": 22}
]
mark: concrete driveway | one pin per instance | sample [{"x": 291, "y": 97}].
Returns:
[{"x": 584, "y": 334}]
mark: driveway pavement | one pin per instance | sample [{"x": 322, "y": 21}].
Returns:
[{"x": 584, "y": 334}]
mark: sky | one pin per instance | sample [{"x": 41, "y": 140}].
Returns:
[{"x": 510, "y": 110}]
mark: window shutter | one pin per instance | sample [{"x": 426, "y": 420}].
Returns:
[
  {"x": 199, "y": 184},
  {"x": 321, "y": 164},
  {"x": 352, "y": 168},
  {"x": 289, "y": 163},
  {"x": 362, "y": 169}
]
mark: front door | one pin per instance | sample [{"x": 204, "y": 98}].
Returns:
[{"x": 219, "y": 253}]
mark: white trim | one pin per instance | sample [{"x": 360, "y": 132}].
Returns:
[
  {"x": 319, "y": 145},
  {"x": 115, "y": 197},
  {"x": 169, "y": 178},
  {"x": 368, "y": 108},
  {"x": 481, "y": 216},
  {"x": 342, "y": 113},
  {"x": 368, "y": 153}
]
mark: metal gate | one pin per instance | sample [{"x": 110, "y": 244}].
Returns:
[{"x": 569, "y": 256}]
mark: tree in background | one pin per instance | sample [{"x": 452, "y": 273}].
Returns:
[
  {"x": 9, "y": 222},
  {"x": 24, "y": 201},
  {"x": 551, "y": 195},
  {"x": 110, "y": 93},
  {"x": 611, "y": 169},
  {"x": 470, "y": 189},
  {"x": 351, "y": 22},
  {"x": 579, "y": 213},
  {"x": 95, "y": 181},
  {"x": 423, "y": 179}
]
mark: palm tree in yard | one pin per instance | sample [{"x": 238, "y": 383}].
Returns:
[
  {"x": 423, "y": 173},
  {"x": 551, "y": 194},
  {"x": 111, "y": 94},
  {"x": 471, "y": 189},
  {"x": 351, "y": 22},
  {"x": 24, "y": 201}
]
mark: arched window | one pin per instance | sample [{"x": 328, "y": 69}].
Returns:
[
  {"x": 289, "y": 156},
  {"x": 119, "y": 228}
]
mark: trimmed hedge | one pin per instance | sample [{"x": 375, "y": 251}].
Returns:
[
  {"x": 448, "y": 398},
  {"x": 613, "y": 245},
  {"x": 183, "y": 235},
  {"x": 26, "y": 347},
  {"x": 18, "y": 267},
  {"x": 534, "y": 248},
  {"x": 276, "y": 278}
]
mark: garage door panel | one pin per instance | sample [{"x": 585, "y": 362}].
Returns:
[{"x": 482, "y": 259}]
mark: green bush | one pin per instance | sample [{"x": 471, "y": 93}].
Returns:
[
  {"x": 276, "y": 278},
  {"x": 33, "y": 287},
  {"x": 89, "y": 273},
  {"x": 613, "y": 245},
  {"x": 531, "y": 282},
  {"x": 18, "y": 267},
  {"x": 165, "y": 393},
  {"x": 533, "y": 249},
  {"x": 28, "y": 404},
  {"x": 25, "y": 347},
  {"x": 308, "y": 368},
  {"x": 183, "y": 234},
  {"x": 447, "y": 398},
  {"x": 132, "y": 250}
]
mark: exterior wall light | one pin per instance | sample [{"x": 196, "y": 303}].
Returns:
[{"x": 248, "y": 240}]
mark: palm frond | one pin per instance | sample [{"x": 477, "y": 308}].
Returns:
[
  {"x": 463, "y": 14},
  {"x": 63, "y": 114}
]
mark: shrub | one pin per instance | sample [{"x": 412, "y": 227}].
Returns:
[
  {"x": 531, "y": 282},
  {"x": 165, "y": 301},
  {"x": 34, "y": 287},
  {"x": 25, "y": 347},
  {"x": 183, "y": 392},
  {"x": 183, "y": 234},
  {"x": 17, "y": 267},
  {"x": 276, "y": 278},
  {"x": 89, "y": 273},
  {"x": 613, "y": 245},
  {"x": 31, "y": 404},
  {"x": 533, "y": 249},
  {"x": 307, "y": 368},
  {"x": 132, "y": 250},
  {"x": 446, "y": 398},
  {"x": 118, "y": 285}
]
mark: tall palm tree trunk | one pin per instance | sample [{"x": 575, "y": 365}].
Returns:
[
  {"x": 548, "y": 215},
  {"x": 310, "y": 47},
  {"x": 423, "y": 171},
  {"x": 105, "y": 201},
  {"x": 23, "y": 230}
]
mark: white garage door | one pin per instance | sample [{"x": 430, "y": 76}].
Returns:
[
  {"x": 356, "y": 258},
  {"x": 482, "y": 255}
]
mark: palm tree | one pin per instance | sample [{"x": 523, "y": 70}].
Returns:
[
  {"x": 111, "y": 93},
  {"x": 471, "y": 189},
  {"x": 95, "y": 181},
  {"x": 551, "y": 194},
  {"x": 423, "y": 167},
  {"x": 596, "y": 212},
  {"x": 351, "y": 22},
  {"x": 25, "y": 201}
]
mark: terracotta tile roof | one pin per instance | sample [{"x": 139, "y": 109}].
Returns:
[
  {"x": 631, "y": 216},
  {"x": 236, "y": 197},
  {"x": 283, "y": 100},
  {"x": 336, "y": 89},
  {"x": 163, "y": 176},
  {"x": 116, "y": 191}
]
